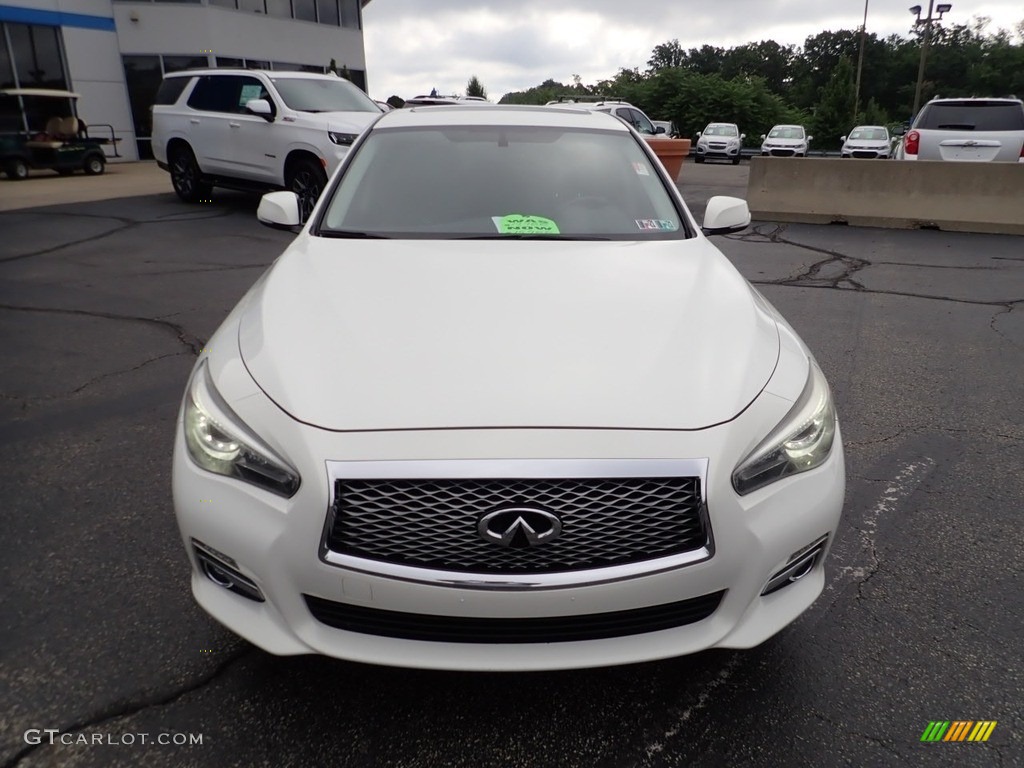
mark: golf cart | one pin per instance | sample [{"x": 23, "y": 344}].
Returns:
[{"x": 40, "y": 130}]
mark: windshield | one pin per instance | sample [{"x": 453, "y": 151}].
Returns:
[
  {"x": 315, "y": 95},
  {"x": 721, "y": 130},
  {"x": 502, "y": 182},
  {"x": 869, "y": 134},
  {"x": 786, "y": 132}
]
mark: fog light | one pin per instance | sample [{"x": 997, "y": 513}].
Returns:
[
  {"x": 800, "y": 564},
  {"x": 223, "y": 571}
]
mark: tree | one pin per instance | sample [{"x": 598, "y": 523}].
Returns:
[
  {"x": 475, "y": 88},
  {"x": 666, "y": 56},
  {"x": 832, "y": 115}
]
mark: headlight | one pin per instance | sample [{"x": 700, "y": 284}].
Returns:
[
  {"x": 343, "y": 139},
  {"x": 801, "y": 441},
  {"x": 219, "y": 442}
]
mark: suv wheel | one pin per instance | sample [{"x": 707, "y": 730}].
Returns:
[
  {"x": 736, "y": 160},
  {"x": 307, "y": 180},
  {"x": 698, "y": 159},
  {"x": 16, "y": 169},
  {"x": 186, "y": 176}
]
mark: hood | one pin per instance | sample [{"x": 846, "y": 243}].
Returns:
[
  {"x": 343, "y": 122},
  {"x": 785, "y": 142},
  {"x": 389, "y": 334}
]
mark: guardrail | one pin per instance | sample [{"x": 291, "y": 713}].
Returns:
[{"x": 955, "y": 196}]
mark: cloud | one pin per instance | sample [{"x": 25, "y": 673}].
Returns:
[{"x": 413, "y": 46}]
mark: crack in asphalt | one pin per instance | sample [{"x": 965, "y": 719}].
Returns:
[
  {"x": 125, "y": 223},
  {"x": 839, "y": 726},
  {"x": 261, "y": 265},
  {"x": 192, "y": 342},
  {"x": 25, "y": 399},
  {"x": 992, "y": 324},
  {"x": 811, "y": 276},
  {"x": 118, "y": 710}
]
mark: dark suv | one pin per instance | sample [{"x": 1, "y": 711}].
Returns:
[{"x": 966, "y": 129}]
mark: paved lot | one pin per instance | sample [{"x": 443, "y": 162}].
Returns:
[{"x": 102, "y": 307}]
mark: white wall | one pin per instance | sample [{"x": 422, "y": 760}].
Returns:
[{"x": 196, "y": 30}]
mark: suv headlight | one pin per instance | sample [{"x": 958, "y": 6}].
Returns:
[
  {"x": 219, "y": 442},
  {"x": 801, "y": 441},
  {"x": 342, "y": 139}
]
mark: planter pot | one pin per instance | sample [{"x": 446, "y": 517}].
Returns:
[{"x": 671, "y": 152}]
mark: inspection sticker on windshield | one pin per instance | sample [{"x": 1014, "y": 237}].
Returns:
[
  {"x": 659, "y": 225},
  {"x": 641, "y": 169},
  {"x": 521, "y": 224}
]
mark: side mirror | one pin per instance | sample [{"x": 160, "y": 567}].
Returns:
[
  {"x": 900, "y": 131},
  {"x": 280, "y": 210},
  {"x": 659, "y": 129},
  {"x": 763, "y": 137},
  {"x": 260, "y": 107},
  {"x": 699, "y": 133},
  {"x": 725, "y": 215},
  {"x": 842, "y": 138},
  {"x": 743, "y": 136},
  {"x": 810, "y": 139}
]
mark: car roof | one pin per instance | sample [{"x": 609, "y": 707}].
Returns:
[
  {"x": 275, "y": 73},
  {"x": 873, "y": 127},
  {"x": 493, "y": 114},
  {"x": 977, "y": 99},
  {"x": 45, "y": 92}
]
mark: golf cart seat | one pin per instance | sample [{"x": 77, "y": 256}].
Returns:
[{"x": 58, "y": 129}]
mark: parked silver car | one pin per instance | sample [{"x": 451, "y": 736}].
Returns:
[
  {"x": 719, "y": 141},
  {"x": 786, "y": 141},
  {"x": 867, "y": 141},
  {"x": 966, "y": 130}
]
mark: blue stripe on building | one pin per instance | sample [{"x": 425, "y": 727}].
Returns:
[{"x": 55, "y": 18}]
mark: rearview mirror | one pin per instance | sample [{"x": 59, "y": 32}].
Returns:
[
  {"x": 725, "y": 215},
  {"x": 280, "y": 210}
]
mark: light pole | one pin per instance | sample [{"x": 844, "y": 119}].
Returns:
[
  {"x": 860, "y": 65},
  {"x": 927, "y": 21}
]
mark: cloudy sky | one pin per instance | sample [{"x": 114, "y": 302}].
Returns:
[{"x": 415, "y": 45}]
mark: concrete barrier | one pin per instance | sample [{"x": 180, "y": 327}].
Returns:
[{"x": 962, "y": 197}]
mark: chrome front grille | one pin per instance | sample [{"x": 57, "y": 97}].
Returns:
[{"x": 432, "y": 522}]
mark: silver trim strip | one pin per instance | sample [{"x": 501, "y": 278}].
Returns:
[{"x": 515, "y": 468}]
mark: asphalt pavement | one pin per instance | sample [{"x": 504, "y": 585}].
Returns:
[{"x": 103, "y": 306}]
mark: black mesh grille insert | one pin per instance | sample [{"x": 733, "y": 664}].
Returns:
[
  {"x": 555, "y": 629},
  {"x": 432, "y": 523}
]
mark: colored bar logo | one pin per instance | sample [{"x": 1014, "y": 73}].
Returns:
[{"x": 958, "y": 730}]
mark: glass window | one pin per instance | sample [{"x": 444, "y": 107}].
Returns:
[
  {"x": 37, "y": 57},
  {"x": 178, "y": 63},
  {"x": 223, "y": 61},
  {"x": 279, "y": 9},
  {"x": 496, "y": 181},
  {"x": 170, "y": 89},
  {"x": 350, "y": 14},
  {"x": 216, "y": 93},
  {"x": 224, "y": 3},
  {"x": 281, "y": 66},
  {"x": 967, "y": 116},
  {"x": 305, "y": 10},
  {"x": 326, "y": 95},
  {"x": 251, "y": 6},
  {"x": 327, "y": 11},
  {"x": 640, "y": 122},
  {"x": 313, "y": 68},
  {"x": 6, "y": 70},
  {"x": 256, "y": 64}
]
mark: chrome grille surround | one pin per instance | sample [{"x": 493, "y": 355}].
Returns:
[{"x": 464, "y": 560}]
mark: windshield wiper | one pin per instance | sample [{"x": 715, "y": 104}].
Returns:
[
  {"x": 512, "y": 236},
  {"x": 354, "y": 234}
]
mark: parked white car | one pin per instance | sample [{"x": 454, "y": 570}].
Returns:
[
  {"x": 970, "y": 130},
  {"x": 626, "y": 112},
  {"x": 503, "y": 405},
  {"x": 719, "y": 141},
  {"x": 867, "y": 141},
  {"x": 250, "y": 129},
  {"x": 786, "y": 141}
]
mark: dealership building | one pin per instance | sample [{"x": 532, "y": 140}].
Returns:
[{"x": 114, "y": 53}]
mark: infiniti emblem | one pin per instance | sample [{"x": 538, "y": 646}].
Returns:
[{"x": 519, "y": 527}]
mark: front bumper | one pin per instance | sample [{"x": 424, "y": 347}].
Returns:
[
  {"x": 724, "y": 153},
  {"x": 274, "y": 543}
]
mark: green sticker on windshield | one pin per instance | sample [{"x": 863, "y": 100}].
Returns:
[{"x": 521, "y": 224}]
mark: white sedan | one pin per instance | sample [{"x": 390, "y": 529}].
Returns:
[{"x": 502, "y": 405}]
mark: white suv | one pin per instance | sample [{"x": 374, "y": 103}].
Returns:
[
  {"x": 623, "y": 110},
  {"x": 978, "y": 130},
  {"x": 250, "y": 129},
  {"x": 722, "y": 141}
]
